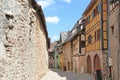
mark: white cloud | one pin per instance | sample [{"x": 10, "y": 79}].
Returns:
[
  {"x": 53, "y": 19},
  {"x": 67, "y": 1},
  {"x": 45, "y": 3}
]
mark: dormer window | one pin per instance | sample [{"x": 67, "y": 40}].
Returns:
[
  {"x": 74, "y": 31},
  {"x": 81, "y": 27}
]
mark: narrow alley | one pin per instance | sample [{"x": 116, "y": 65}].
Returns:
[{"x": 73, "y": 76}]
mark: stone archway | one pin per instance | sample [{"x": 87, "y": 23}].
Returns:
[
  {"x": 97, "y": 67},
  {"x": 97, "y": 63},
  {"x": 89, "y": 66}
]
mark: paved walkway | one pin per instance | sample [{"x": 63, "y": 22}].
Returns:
[{"x": 73, "y": 76}]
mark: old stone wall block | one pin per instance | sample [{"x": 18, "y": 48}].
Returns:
[
  {"x": 9, "y": 15},
  {"x": 23, "y": 44}
]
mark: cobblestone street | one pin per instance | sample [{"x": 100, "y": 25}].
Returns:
[{"x": 73, "y": 76}]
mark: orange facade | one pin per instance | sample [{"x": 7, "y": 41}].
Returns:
[
  {"x": 96, "y": 26},
  {"x": 96, "y": 38}
]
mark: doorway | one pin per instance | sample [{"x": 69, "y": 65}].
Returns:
[
  {"x": 89, "y": 66},
  {"x": 97, "y": 68}
]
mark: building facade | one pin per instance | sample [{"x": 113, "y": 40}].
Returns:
[
  {"x": 63, "y": 36},
  {"x": 96, "y": 39},
  {"x": 67, "y": 53},
  {"x": 75, "y": 52},
  {"x": 57, "y": 54},
  {"x": 51, "y": 58},
  {"x": 23, "y": 40},
  {"x": 61, "y": 60},
  {"x": 114, "y": 40},
  {"x": 82, "y": 45}
]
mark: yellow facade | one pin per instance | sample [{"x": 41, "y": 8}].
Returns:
[
  {"x": 61, "y": 61},
  {"x": 97, "y": 26},
  {"x": 96, "y": 38}
]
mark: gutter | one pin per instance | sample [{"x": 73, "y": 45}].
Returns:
[
  {"x": 108, "y": 28},
  {"x": 101, "y": 35},
  {"x": 101, "y": 24}
]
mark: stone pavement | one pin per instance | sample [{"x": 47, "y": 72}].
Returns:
[
  {"x": 50, "y": 75},
  {"x": 74, "y": 76}
]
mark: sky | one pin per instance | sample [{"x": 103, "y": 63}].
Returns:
[{"x": 61, "y": 15}]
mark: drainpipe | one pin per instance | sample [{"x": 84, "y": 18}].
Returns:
[
  {"x": 108, "y": 55},
  {"x": 101, "y": 24},
  {"x": 101, "y": 32},
  {"x": 108, "y": 28}
]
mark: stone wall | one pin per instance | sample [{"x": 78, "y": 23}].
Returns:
[
  {"x": 23, "y": 47},
  {"x": 114, "y": 40}
]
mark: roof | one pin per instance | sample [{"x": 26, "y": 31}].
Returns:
[
  {"x": 63, "y": 36},
  {"x": 71, "y": 34},
  {"x": 76, "y": 25},
  {"x": 68, "y": 36},
  {"x": 52, "y": 46},
  {"x": 58, "y": 44},
  {"x": 75, "y": 31},
  {"x": 89, "y": 6}
]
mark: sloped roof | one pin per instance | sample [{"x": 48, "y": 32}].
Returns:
[
  {"x": 63, "y": 36},
  {"x": 71, "y": 34},
  {"x": 76, "y": 25},
  {"x": 58, "y": 43},
  {"x": 89, "y": 6},
  {"x": 75, "y": 31},
  {"x": 52, "y": 46},
  {"x": 68, "y": 36}
]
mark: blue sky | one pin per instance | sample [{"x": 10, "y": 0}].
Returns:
[{"x": 61, "y": 15}]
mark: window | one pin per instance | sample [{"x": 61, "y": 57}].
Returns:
[
  {"x": 93, "y": 13},
  {"x": 89, "y": 39},
  {"x": 96, "y": 10},
  {"x": 98, "y": 34},
  {"x": 57, "y": 57},
  {"x": 57, "y": 49},
  {"x": 82, "y": 44},
  {"x": 99, "y": 7},
  {"x": 112, "y": 29},
  {"x": 95, "y": 36},
  {"x": 88, "y": 19}
]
